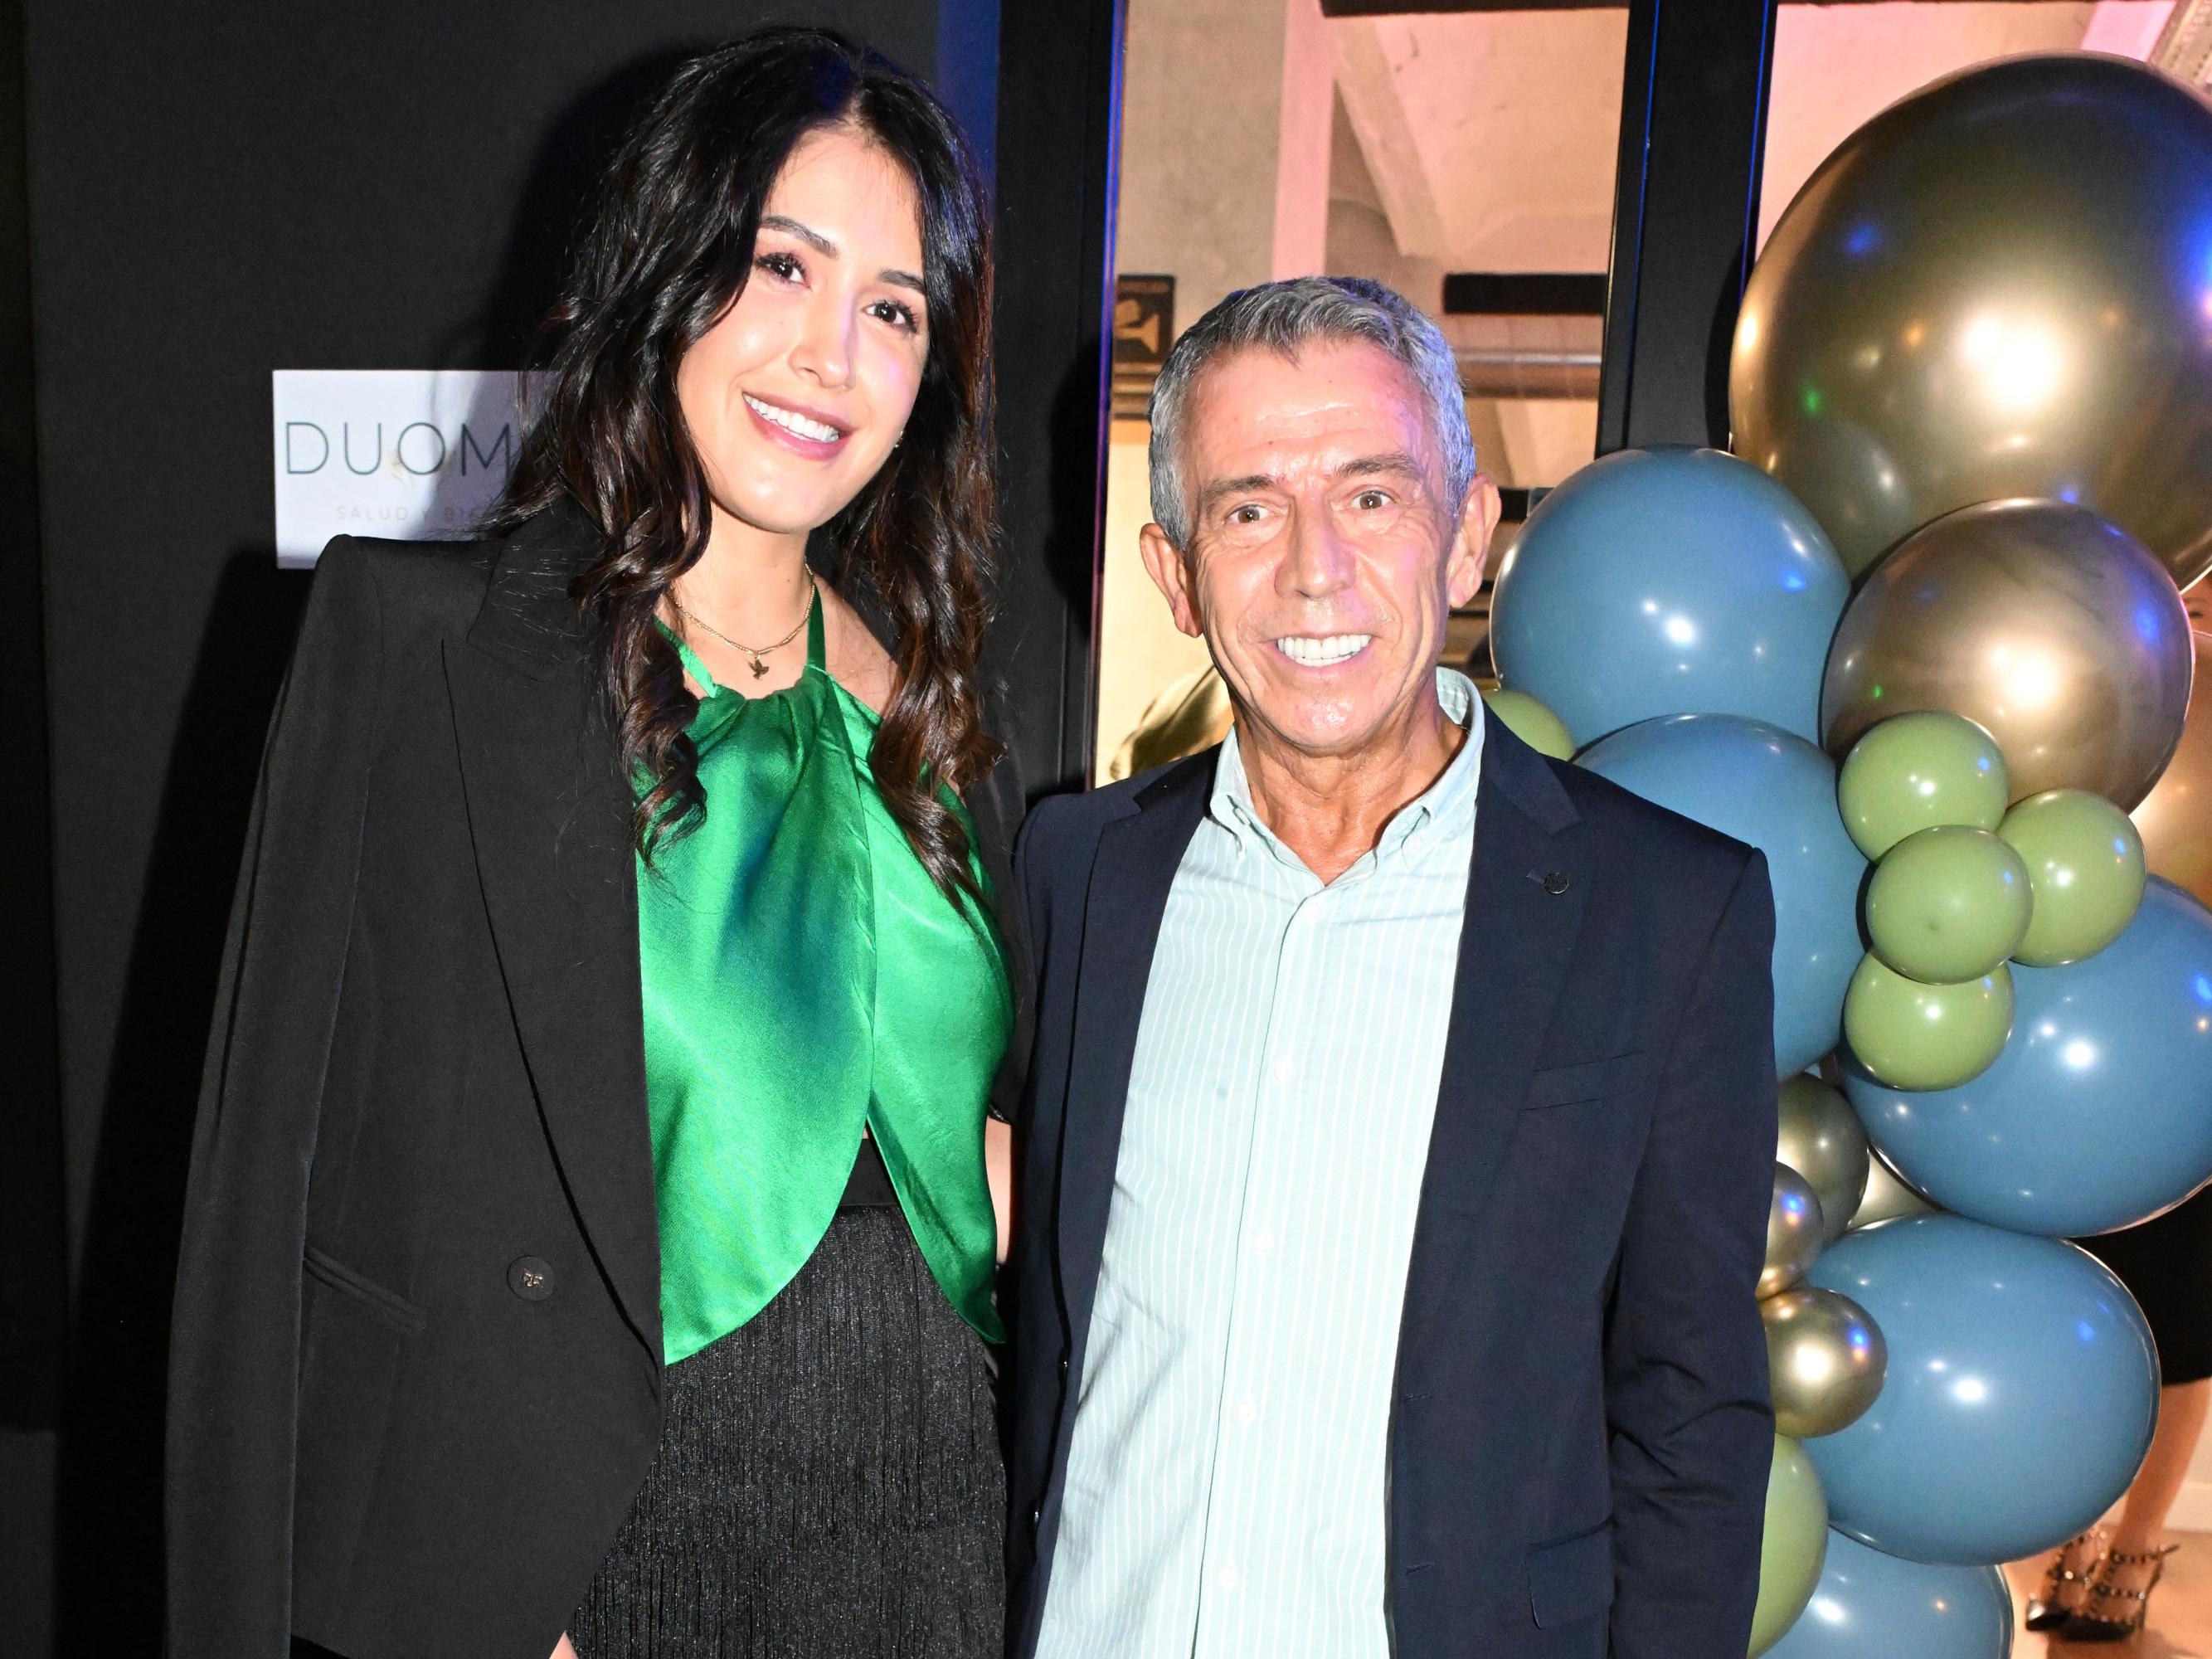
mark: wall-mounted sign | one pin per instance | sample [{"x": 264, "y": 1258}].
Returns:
[
  {"x": 413, "y": 454},
  {"x": 1144, "y": 329}
]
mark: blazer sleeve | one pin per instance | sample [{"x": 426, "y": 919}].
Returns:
[
  {"x": 234, "y": 1359},
  {"x": 1692, "y": 1427}
]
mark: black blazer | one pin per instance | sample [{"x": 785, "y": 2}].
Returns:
[
  {"x": 415, "y": 1367},
  {"x": 1580, "y": 1414}
]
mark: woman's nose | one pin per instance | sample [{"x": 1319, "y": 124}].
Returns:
[{"x": 824, "y": 350}]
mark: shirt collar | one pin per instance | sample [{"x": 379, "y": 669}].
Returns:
[{"x": 1448, "y": 803}]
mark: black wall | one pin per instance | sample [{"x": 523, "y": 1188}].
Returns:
[{"x": 214, "y": 192}]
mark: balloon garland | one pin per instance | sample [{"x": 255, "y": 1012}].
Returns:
[{"x": 1923, "y": 646}]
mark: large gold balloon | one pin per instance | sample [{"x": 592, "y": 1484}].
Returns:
[
  {"x": 2175, "y": 819},
  {"x": 1793, "y": 1231},
  {"x": 2000, "y": 286},
  {"x": 2049, "y": 627},
  {"x": 1826, "y": 1360}
]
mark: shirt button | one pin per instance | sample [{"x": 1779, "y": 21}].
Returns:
[
  {"x": 1263, "y": 1242},
  {"x": 1248, "y": 1412},
  {"x": 1230, "y": 1578},
  {"x": 1284, "y": 1070}
]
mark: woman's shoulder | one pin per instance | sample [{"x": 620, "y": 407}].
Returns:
[
  {"x": 424, "y": 589},
  {"x": 437, "y": 586}
]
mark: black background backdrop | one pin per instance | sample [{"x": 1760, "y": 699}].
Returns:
[{"x": 214, "y": 193}]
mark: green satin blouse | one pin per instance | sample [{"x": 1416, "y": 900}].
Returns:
[{"x": 803, "y": 976}]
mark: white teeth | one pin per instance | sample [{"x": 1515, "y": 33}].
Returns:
[
  {"x": 792, "y": 423},
  {"x": 1320, "y": 654}
]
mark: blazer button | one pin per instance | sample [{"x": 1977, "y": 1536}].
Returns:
[
  {"x": 531, "y": 1277},
  {"x": 1555, "y": 884}
]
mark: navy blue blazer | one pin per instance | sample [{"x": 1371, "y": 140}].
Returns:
[{"x": 1580, "y": 1435}]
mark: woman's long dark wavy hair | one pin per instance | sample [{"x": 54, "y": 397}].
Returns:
[{"x": 669, "y": 250}]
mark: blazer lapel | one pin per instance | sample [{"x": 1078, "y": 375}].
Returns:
[
  {"x": 1134, "y": 867},
  {"x": 1514, "y": 952},
  {"x": 551, "y": 822}
]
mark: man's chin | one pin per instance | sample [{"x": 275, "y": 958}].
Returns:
[{"x": 1323, "y": 733}]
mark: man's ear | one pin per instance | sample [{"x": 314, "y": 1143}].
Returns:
[
  {"x": 1171, "y": 576},
  {"x": 1478, "y": 523}
]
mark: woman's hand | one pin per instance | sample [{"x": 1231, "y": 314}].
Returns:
[{"x": 999, "y": 1171}]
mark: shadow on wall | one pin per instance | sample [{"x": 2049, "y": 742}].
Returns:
[{"x": 110, "y": 1477}]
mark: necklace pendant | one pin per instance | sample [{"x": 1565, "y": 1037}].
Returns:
[{"x": 760, "y": 669}]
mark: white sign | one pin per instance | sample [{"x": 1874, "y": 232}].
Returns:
[{"x": 411, "y": 454}]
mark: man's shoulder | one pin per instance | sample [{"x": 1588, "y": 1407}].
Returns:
[
  {"x": 1645, "y": 840},
  {"x": 1061, "y": 833}
]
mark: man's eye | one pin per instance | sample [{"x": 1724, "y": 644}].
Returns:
[
  {"x": 1369, "y": 500},
  {"x": 1245, "y": 515}
]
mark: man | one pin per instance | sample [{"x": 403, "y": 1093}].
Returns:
[{"x": 1400, "y": 1126}]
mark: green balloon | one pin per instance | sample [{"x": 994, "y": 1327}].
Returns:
[
  {"x": 1912, "y": 1036},
  {"x": 1795, "y": 1546},
  {"x": 1532, "y": 722},
  {"x": 1916, "y": 771},
  {"x": 2085, "y": 862},
  {"x": 1948, "y": 904}
]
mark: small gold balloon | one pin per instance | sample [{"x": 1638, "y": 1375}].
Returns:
[
  {"x": 2052, "y": 629},
  {"x": 1822, "y": 1138},
  {"x": 1826, "y": 1360},
  {"x": 1793, "y": 1231},
  {"x": 2175, "y": 819},
  {"x": 1996, "y": 287},
  {"x": 1887, "y": 1197}
]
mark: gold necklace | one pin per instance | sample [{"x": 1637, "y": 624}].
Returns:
[{"x": 755, "y": 652}]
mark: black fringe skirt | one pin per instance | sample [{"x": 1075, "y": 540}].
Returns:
[{"x": 828, "y": 1483}]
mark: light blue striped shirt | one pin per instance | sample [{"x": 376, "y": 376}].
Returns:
[{"x": 1227, "y": 1485}]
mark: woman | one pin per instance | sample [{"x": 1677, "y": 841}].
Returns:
[
  {"x": 2097, "y": 1588},
  {"x": 589, "y": 1247}
]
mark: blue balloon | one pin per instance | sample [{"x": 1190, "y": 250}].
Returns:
[
  {"x": 1778, "y": 793},
  {"x": 1872, "y": 1606},
  {"x": 2098, "y": 1114},
  {"x": 1669, "y": 582},
  {"x": 2021, "y": 1392}
]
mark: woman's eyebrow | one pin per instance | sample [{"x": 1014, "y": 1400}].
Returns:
[
  {"x": 827, "y": 248},
  {"x": 824, "y": 246}
]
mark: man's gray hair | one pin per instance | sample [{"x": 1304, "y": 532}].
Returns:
[{"x": 1285, "y": 317}]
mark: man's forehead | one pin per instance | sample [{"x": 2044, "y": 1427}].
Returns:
[{"x": 1331, "y": 407}]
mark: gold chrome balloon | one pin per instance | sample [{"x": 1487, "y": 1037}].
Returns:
[
  {"x": 1822, "y": 1139},
  {"x": 2052, "y": 629},
  {"x": 1826, "y": 1360},
  {"x": 1887, "y": 1197},
  {"x": 1999, "y": 286},
  {"x": 1793, "y": 1231},
  {"x": 2175, "y": 819}
]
